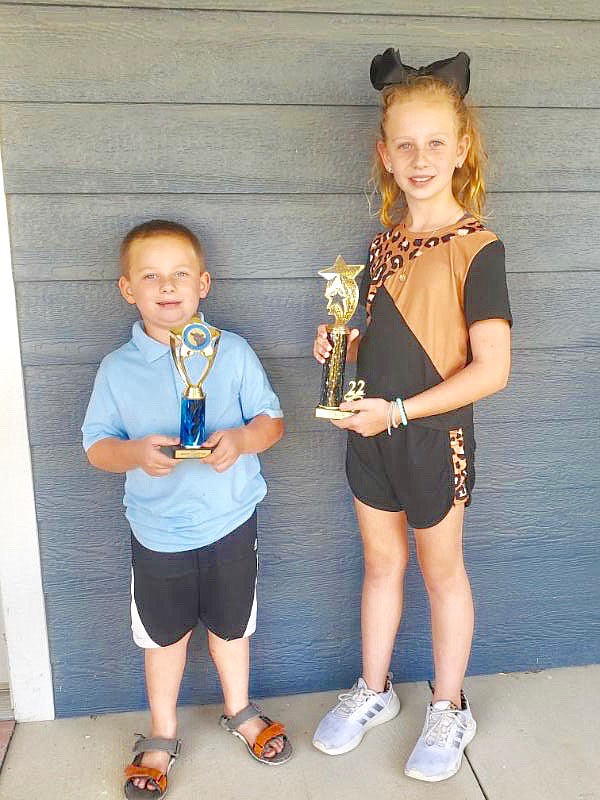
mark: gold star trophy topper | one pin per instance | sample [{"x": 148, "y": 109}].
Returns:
[{"x": 341, "y": 293}]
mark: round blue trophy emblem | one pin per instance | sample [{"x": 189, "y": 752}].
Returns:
[{"x": 196, "y": 336}]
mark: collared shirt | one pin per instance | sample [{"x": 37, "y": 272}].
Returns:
[{"x": 137, "y": 392}]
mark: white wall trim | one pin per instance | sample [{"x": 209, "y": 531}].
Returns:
[{"x": 20, "y": 571}]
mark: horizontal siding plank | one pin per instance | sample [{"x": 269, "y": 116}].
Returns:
[
  {"x": 504, "y": 9},
  {"x": 567, "y": 384},
  {"x": 509, "y": 458},
  {"x": 83, "y": 549},
  {"x": 80, "y": 322},
  {"x": 74, "y": 148},
  {"x": 93, "y": 550},
  {"x": 101, "y": 321},
  {"x": 311, "y": 460},
  {"x": 76, "y": 237},
  {"x": 69, "y": 55}
]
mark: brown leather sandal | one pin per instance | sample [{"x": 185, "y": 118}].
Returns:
[
  {"x": 155, "y": 777},
  {"x": 272, "y": 731}
]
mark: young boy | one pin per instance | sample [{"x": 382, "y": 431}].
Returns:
[{"x": 193, "y": 522}]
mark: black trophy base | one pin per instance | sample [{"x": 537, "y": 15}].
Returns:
[
  {"x": 324, "y": 412},
  {"x": 191, "y": 452}
]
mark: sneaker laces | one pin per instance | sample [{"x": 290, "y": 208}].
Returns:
[
  {"x": 441, "y": 723},
  {"x": 350, "y": 701}
]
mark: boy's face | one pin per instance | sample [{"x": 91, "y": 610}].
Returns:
[{"x": 166, "y": 280}]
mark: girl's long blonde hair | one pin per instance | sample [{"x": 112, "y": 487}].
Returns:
[{"x": 468, "y": 183}]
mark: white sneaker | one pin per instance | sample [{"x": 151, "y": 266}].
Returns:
[
  {"x": 342, "y": 729},
  {"x": 438, "y": 752}
]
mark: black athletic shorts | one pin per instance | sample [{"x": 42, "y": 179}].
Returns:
[
  {"x": 418, "y": 470},
  {"x": 216, "y": 584}
]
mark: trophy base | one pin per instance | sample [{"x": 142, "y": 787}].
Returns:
[
  {"x": 323, "y": 412},
  {"x": 191, "y": 452}
]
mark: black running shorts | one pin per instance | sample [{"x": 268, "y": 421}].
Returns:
[
  {"x": 418, "y": 470},
  {"x": 216, "y": 584}
]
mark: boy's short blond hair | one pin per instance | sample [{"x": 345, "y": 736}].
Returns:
[{"x": 157, "y": 227}]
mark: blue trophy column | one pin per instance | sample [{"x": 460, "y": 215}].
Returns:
[{"x": 193, "y": 429}]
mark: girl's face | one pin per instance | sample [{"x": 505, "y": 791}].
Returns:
[{"x": 422, "y": 148}]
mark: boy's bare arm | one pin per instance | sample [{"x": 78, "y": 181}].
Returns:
[
  {"x": 261, "y": 433},
  {"x": 118, "y": 455},
  {"x": 257, "y": 436}
]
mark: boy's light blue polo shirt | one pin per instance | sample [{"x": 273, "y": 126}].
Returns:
[{"x": 137, "y": 392}]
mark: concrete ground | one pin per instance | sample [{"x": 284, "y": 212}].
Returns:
[{"x": 538, "y": 737}]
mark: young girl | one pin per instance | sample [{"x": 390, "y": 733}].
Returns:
[{"x": 437, "y": 339}]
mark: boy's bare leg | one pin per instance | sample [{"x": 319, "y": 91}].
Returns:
[
  {"x": 164, "y": 671},
  {"x": 232, "y": 660},
  {"x": 440, "y": 552},
  {"x": 385, "y": 543}
]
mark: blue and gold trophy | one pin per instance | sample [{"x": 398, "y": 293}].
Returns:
[
  {"x": 341, "y": 294},
  {"x": 193, "y": 346}
]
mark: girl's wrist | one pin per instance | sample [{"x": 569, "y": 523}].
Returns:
[
  {"x": 401, "y": 411},
  {"x": 395, "y": 415},
  {"x": 409, "y": 409}
]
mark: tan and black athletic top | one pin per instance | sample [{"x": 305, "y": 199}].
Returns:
[{"x": 422, "y": 291}]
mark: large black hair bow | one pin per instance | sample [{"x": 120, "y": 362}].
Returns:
[{"x": 387, "y": 69}]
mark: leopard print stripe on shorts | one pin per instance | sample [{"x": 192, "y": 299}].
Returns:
[{"x": 459, "y": 465}]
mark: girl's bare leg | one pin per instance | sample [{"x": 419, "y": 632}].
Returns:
[
  {"x": 440, "y": 553},
  {"x": 385, "y": 543}
]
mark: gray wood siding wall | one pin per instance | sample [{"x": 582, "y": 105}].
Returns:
[{"x": 252, "y": 122}]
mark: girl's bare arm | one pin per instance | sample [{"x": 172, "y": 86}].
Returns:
[{"x": 486, "y": 374}]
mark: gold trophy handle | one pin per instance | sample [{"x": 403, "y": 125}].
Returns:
[
  {"x": 181, "y": 352},
  {"x": 194, "y": 389},
  {"x": 175, "y": 343}
]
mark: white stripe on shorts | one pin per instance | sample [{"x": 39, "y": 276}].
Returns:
[
  {"x": 140, "y": 634},
  {"x": 251, "y": 626}
]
